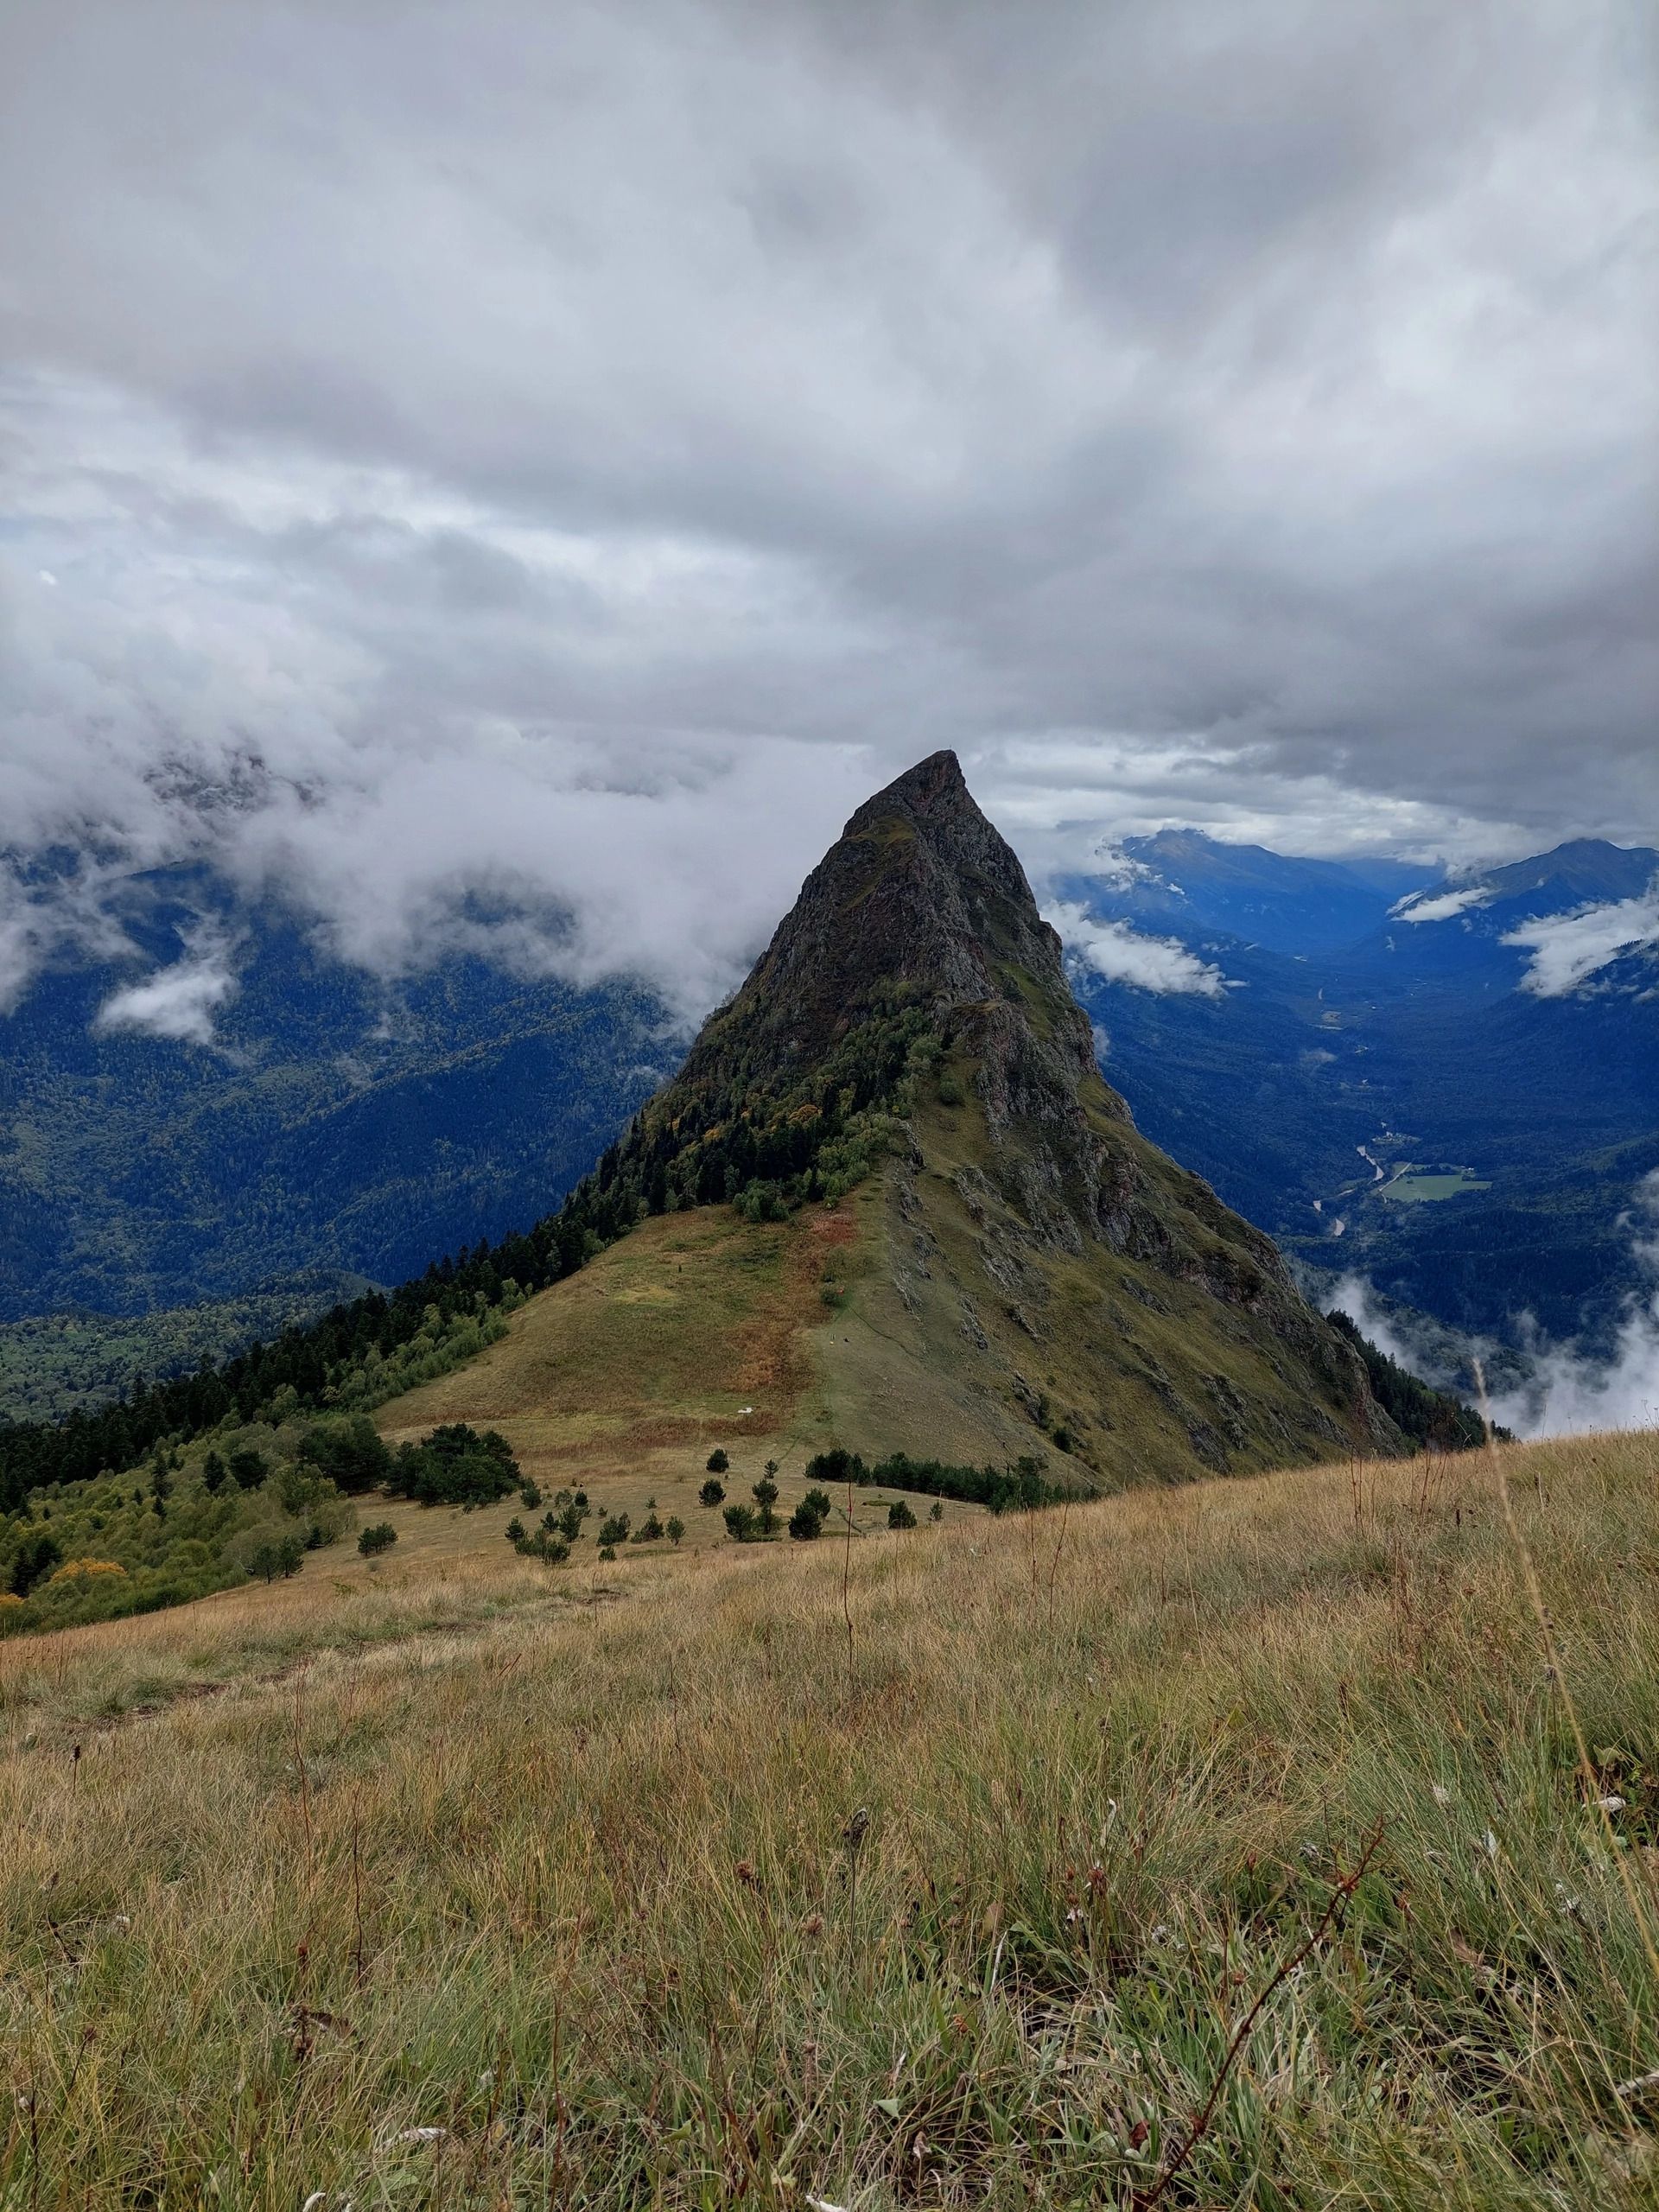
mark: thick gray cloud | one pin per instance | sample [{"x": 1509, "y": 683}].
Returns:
[{"x": 571, "y": 452}]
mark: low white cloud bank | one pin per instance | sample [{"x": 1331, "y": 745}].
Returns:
[
  {"x": 1354, "y": 1296},
  {"x": 1122, "y": 955},
  {"x": 1442, "y": 906},
  {"x": 1568, "y": 949},
  {"x": 1568, "y": 1396},
  {"x": 1563, "y": 1392},
  {"x": 1109, "y": 864},
  {"x": 178, "y": 1002}
]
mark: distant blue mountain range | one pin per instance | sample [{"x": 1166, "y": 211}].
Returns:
[
  {"x": 1449, "y": 1087},
  {"x": 309, "y": 1116}
]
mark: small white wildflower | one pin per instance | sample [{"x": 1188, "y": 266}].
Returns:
[
  {"x": 1489, "y": 1844},
  {"x": 1610, "y": 1804},
  {"x": 1159, "y": 1934},
  {"x": 1565, "y": 1899},
  {"x": 1441, "y": 1794}
]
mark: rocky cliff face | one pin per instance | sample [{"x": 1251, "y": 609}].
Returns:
[
  {"x": 920, "y": 896},
  {"x": 1035, "y": 1258}
]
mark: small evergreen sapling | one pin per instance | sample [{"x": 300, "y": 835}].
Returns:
[
  {"x": 543, "y": 1545},
  {"x": 899, "y": 1514},
  {"x": 712, "y": 1493},
  {"x": 807, "y": 1519},
  {"x": 379, "y": 1536},
  {"x": 717, "y": 1462}
]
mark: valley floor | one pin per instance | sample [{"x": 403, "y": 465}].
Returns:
[{"x": 1219, "y": 1846}]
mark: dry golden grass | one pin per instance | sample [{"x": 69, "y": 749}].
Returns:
[
  {"x": 693, "y": 1331},
  {"x": 570, "y": 1867}
]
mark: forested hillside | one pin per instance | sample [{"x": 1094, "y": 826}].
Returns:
[{"x": 320, "y": 1118}]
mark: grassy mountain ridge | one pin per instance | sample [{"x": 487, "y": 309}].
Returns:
[{"x": 1029, "y": 1272}]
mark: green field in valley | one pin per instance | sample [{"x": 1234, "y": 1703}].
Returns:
[{"x": 1419, "y": 1186}]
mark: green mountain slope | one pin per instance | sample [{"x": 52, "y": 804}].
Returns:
[{"x": 1037, "y": 1265}]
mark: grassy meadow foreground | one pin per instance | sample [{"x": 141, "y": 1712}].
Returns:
[{"x": 938, "y": 1867}]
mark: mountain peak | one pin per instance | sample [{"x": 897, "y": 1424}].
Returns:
[
  {"x": 1584, "y": 869},
  {"x": 932, "y": 787},
  {"x": 919, "y": 896},
  {"x": 909, "y": 1034}
]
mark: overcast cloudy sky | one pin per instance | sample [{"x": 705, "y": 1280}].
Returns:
[{"x": 580, "y": 451}]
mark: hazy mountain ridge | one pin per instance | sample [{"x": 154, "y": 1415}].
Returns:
[{"x": 1184, "y": 881}]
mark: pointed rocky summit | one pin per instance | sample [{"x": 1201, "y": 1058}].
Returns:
[{"x": 1026, "y": 1271}]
